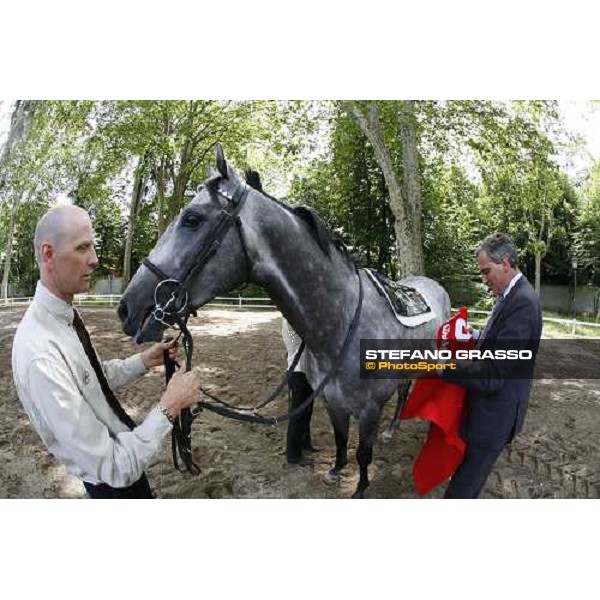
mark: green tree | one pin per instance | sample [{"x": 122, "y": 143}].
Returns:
[
  {"x": 522, "y": 182},
  {"x": 168, "y": 145},
  {"x": 18, "y": 156},
  {"x": 587, "y": 233},
  {"x": 376, "y": 119}
]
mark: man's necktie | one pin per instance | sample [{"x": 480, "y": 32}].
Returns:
[
  {"x": 495, "y": 310},
  {"x": 84, "y": 338}
]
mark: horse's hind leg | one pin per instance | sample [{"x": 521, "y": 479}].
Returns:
[
  {"x": 402, "y": 394},
  {"x": 341, "y": 424},
  {"x": 367, "y": 424}
]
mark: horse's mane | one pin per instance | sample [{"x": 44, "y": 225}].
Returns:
[{"x": 316, "y": 226}]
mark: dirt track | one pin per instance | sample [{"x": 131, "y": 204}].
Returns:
[{"x": 241, "y": 356}]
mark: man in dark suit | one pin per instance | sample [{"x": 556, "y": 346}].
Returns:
[{"x": 496, "y": 402}]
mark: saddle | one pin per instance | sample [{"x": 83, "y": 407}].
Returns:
[{"x": 408, "y": 304}]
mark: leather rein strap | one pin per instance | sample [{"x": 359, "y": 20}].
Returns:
[{"x": 232, "y": 412}]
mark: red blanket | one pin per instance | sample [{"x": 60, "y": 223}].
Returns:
[{"x": 442, "y": 404}]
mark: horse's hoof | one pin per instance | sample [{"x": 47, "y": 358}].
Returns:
[{"x": 331, "y": 477}]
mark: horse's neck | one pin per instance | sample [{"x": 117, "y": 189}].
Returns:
[{"x": 316, "y": 293}]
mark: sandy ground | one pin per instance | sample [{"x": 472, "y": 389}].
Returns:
[{"x": 241, "y": 357}]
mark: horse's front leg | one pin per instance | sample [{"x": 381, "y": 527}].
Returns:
[
  {"x": 368, "y": 423},
  {"x": 340, "y": 420}
]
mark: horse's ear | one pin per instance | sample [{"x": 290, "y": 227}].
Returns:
[
  {"x": 318, "y": 228},
  {"x": 221, "y": 162},
  {"x": 211, "y": 171},
  {"x": 253, "y": 179}
]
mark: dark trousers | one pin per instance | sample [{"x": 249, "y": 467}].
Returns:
[
  {"x": 471, "y": 475},
  {"x": 139, "y": 490},
  {"x": 298, "y": 432}
]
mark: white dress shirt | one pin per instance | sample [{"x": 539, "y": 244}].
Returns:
[
  {"x": 480, "y": 334},
  {"x": 511, "y": 285},
  {"x": 61, "y": 394},
  {"x": 292, "y": 343}
]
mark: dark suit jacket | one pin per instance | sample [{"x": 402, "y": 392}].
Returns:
[{"x": 496, "y": 405}]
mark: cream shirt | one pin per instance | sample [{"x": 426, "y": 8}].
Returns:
[
  {"x": 61, "y": 394},
  {"x": 292, "y": 343},
  {"x": 511, "y": 284}
]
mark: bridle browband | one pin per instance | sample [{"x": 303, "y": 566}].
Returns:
[{"x": 175, "y": 312}]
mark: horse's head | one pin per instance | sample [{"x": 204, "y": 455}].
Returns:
[{"x": 200, "y": 255}]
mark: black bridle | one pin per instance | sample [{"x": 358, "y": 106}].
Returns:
[
  {"x": 175, "y": 311},
  {"x": 177, "y": 306}
]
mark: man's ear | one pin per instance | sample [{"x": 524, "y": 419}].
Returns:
[{"x": 46, "y": 253}]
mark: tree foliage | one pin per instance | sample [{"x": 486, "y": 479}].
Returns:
[
  {"x": 427, "y": 179},
  {"x": 587, "y": 233}
]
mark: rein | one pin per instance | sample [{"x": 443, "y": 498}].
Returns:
[
  {"x": 227, "y": 410},
  {"x": 174, "y": 313}
]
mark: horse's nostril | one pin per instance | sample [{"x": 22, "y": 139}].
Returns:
[{"x": 122, "y": 310}]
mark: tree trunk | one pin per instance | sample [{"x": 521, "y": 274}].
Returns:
[
  {"x": 9, "y": 245},
  {"x": 136, "y": 197},
  {"x": 412, "y": 180},
  {"x": 540, "y": 252},
  {"x": 161, "y": 180},
  {"x": 538, "y": 266},
  {"x": 178, "y": 197},
  {"x": 19, "y": 128},
  {"x": 160, "y": 194},
  {"x": 408, "y": 247}
]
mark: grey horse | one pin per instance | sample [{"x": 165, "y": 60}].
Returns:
[{"x": 312, "y": 281}]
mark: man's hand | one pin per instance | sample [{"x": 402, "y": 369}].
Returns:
[
  {"x": 474, "y": 332},
  {"x": 153, "y": 357},
  {"x": 182, "y": 392}
]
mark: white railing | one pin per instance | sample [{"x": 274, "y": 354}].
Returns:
[
  {"x": 113, "y": 299},
  {"x": 239, "y": 302},
  {"x": 574, "y": 323},
  {"x": 15, "y": 301}
]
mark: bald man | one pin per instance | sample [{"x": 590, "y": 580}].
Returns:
[{"x": 66, "y": 391}]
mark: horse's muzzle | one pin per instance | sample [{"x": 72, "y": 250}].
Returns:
[{"x": 142, "y": 327}]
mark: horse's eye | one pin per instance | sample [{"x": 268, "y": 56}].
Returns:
[{"x": 191, "y": 220}]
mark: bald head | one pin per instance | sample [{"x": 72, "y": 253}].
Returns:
[
  {"x": 64, "y": 249},
  {"x": 56, "y": 226}
]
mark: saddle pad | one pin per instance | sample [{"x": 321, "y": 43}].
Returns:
[{"x": 409, "y": 306}]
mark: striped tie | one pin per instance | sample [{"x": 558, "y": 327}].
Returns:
[{"x": 86, "y": 342}]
